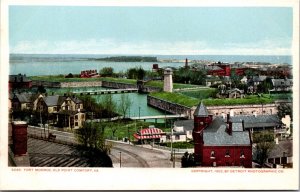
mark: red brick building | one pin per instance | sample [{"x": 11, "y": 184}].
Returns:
[
  {"x": 219, "y": 142},
  {"x": 19, "y": 82},
  {"x": 219, "y": 69}
]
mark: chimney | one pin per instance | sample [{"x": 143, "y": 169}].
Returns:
[
  {"x": 229, "y": 130},
  {"x": 19, "y": 136},
  {"x": 243, "y": 125},
  {"x": 228, "y": 118}
]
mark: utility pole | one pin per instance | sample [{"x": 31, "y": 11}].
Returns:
[
  {"x": 120, "y": 159},
  {"x": 141, "y": 136},
  {"x": 172, "y": 143},
  {"x": 173, "y": 158}
]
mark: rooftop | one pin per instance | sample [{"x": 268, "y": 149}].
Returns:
[
  {"x": 201, "y": 111},
  {"x": 216, "y": 135}
]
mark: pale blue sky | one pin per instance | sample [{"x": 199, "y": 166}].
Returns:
[{"x": 150, "y": 30}]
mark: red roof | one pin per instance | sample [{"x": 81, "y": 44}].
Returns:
[{"x": 149, "y": 133}]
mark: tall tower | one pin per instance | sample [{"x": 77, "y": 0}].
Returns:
[
  {"x": 186, "y": 63},
  {"x": 168, "y": 80},
  {"x": 201, "y": 120}
]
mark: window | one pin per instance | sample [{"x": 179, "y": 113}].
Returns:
[
  {"x": 76, "y": 117},
  {"x": 54, "y": 108},
  {"x": 76, "y": 124},
  {"x": 177, "y": 137},
  {"x": 212, "y": 155},
  {"x": 242, "y": 154},
  {"x": 227, "y": 153}
]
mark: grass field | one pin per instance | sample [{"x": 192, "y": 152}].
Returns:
[
  {"x": 61, "y": 78},
  {"x": 200, "y": 93},
  {"x": 190, "y": 101},
  {"x": 160, "y": 84},
  {"x": 176, "y": 98}
]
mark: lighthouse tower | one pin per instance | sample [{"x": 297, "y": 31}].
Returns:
[{"x": 168, "y": 80}]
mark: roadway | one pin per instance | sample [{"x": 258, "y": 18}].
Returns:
[{"x": 131, "y": 155}]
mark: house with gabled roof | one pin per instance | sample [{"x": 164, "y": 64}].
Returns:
[
  {"x": 282, "y": 84},
  {"x": 219, "y": 142},
  {"x": 66, "y": 111},
  {"x": 22, "y": 101}
]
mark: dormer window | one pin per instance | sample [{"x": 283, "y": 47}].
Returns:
[
  {"x": 227, "y": 153},
  {"x": 212, "y": 155}
]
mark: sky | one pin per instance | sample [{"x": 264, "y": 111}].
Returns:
[{"x": 150, "y": 30}]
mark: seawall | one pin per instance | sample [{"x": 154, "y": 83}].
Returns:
[
  {"x": 167, "y": 106},
  {"x": 265, "y": 109}
]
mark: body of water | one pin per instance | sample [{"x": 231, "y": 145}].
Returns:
[{"x": 31, "y": 64}]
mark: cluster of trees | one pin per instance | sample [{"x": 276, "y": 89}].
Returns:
[
  {"x": 188, "y": 76},
  {"x": 136, "y": 73},
  {"x": 285, "y": 109},
  {"x": 129, "y": 59},
  {"x": 107, "y": 72},
  {"x": 264, "y": 143},
  {"x": 105, "y": 109},
  {"x": 93, "y": 145}
]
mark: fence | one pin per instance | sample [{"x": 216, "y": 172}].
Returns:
[
  {"x": 176, "y": 150},
  {"x": 59, "y": 136}
]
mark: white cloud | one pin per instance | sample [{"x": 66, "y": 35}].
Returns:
[{"x": 111, "y": 46}]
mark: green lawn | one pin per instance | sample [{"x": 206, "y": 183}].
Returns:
[
  {"x": 190, "y": 101},
  {"x": 253, "y": 99},
  {"x": 200, "y": 93},
  {"x": 118, "y": 80},
  {"x": 160, "y": 84},
  {"x": 123, "y": 129},
  {"x": 61, "y": 78},
  {"x": 176, "y": 98}
]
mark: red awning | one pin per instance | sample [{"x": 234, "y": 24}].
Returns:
[{"x": 149, "y": 133}]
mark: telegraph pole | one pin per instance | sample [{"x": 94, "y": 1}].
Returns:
[{"x": 120, "y": 159}]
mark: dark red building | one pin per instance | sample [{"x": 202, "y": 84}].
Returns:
[
  {"x": 219, "y": 69},
  {"x": 19, "y": 82},
  {"x": 219, "y": 142}
]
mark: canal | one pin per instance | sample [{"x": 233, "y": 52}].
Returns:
[{"x": 139, "y": 101}]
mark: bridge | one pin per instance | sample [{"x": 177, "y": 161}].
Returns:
[
  {"x": 106, "y": 91},
  {"x": 160, "y": 117}
]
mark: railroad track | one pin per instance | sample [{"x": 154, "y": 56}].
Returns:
[{"x": 141, "y": 161}]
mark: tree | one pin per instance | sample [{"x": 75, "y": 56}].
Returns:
[
  {"x": 125, "y": 104},
  {"x": 108, "y": 105},
  {"x": 284, "y": 109},
  {"x": 264, "y": 143},
  {"x": 265, "y": 86},
  {"x": 141, "y": 73},
  {"x": 107, "y": 71},
  {"x": 136, "y": 73},
  {"x": 41, "y": 89},
  {"x": 91, "y": 135},
  {"x": 236, "y": 80}
]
